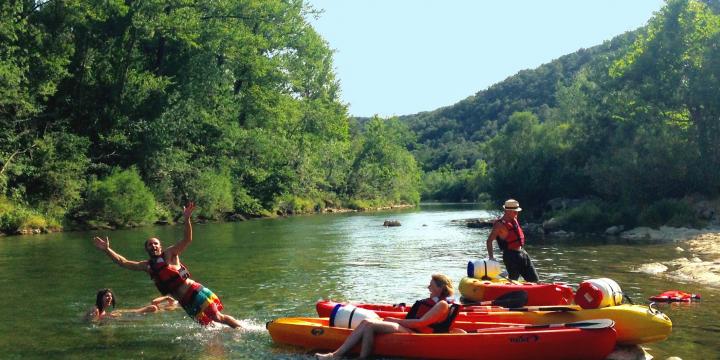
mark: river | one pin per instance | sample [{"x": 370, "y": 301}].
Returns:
[{"x": 269, "y": 268}]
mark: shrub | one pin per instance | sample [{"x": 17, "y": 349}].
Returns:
[
  {"x": 357, "y": 204},
  {"x": 289, "y": 204},
  {"x": 121, "y": 199},
  {"x": 246, "y": 204},
  {"x": 364, "y": 204},
  {"x": 34, "y": 221},
  {"x": 668, "y": 212},
  {"x": 15, "y": 218},
  {"x": 162, "y": 213},
  {"x": 587, "y": 217},
  {"x": 10, "y": 219}
]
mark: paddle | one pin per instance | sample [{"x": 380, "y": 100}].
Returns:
[
  {"x": 544, "y": 308},
  {"x": 512, "y": 299},
  {"x": 586, "y": 324},
  {"x": 514, "y": 282}
]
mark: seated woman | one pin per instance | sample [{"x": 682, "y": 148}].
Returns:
[
  {"x": 432, "y": 315},
  {"x": 106, "y": 299}
]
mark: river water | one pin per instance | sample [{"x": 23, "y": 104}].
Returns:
[{"x": 264, "y": 269}]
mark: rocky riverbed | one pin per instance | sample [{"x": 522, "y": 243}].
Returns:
[{"x": 698, "y": 254}]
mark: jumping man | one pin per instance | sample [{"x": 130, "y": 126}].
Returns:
[{"x": 172, "y": 277}]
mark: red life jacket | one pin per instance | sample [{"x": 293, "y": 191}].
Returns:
[
  {"x": 515, "y": 236},
  {"x": 167, "y": 279},
  {"x": 675, "y": 296},
  {"x": 421, "y": 307}
]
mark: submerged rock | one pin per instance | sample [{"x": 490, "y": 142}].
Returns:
[
  {"x": 562, "y": 234},
  {"x": 533, "y": 230},
  {"x": 652, "y": 268},
  {"x": 552, "y": 225},
  {"x": 629, "y": 352},
  {"x": 614, "y": 230},
  {"x": 391, "y": 223},
  {"x": 664, "y": 233},
  {"x": 702, "y": 264},
  {"x": 480, "y": 223}
]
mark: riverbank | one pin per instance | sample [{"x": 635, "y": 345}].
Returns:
[
  {"x": 698, "y": 254},
  {"x": 229, "y": 218},
  {"x": 698, "y": 250}
]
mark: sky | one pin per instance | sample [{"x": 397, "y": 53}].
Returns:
[{"x": 400, "y": 57}]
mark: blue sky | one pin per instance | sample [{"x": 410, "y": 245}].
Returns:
[{"x": 398, "y": 57}]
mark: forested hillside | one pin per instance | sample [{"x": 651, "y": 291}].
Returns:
[
  {"x": 633, "y": 125},
  {"x": 113, "y": 113}
]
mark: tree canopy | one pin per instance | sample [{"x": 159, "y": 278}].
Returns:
[
  {"x": 628, "y": 123},
  {"x": 233, "y": 103}
]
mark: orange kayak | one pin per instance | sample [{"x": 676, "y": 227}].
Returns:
[{"x": 559, "y": 342}]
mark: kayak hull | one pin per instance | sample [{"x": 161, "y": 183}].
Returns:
[
  {"x": 518, "y": 343},
  {"x": 635, "y": 324},
  {"x": 473, "y": 289}
]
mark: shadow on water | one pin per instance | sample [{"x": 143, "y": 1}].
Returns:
[{"x": 271, "y": 268}]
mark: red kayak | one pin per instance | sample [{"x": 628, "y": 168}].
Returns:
[
  {"x": 538, "y": 294},
  {"x": 675, "y": 296}
]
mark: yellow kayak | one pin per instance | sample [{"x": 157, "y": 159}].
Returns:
[{"x": 635, "y": 324}]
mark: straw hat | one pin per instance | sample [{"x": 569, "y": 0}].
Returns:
[{"x": 512, "y": 205}]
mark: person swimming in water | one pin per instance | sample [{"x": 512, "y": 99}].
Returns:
[{"x": 105, "y": 299}]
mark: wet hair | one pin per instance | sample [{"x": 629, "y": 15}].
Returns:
[
  {"x": 443, "y": 281},
  {"x": 99, "y": 298}
]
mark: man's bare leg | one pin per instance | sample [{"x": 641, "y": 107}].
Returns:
[{"x": 228, "y": 320}]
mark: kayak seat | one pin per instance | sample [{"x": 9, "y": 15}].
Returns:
[{"x": 445, "y": 325}]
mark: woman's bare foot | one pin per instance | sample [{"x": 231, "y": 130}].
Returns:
[{"x": 325, "y": 356}]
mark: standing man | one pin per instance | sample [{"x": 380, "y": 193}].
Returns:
[
  {"x": 511, "y": 240},
  {"x": 172, "y": 277}
]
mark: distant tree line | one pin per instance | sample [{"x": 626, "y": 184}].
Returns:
[
  {"x": 113, "y": 113},
  {"x": 632, "y": 125}
]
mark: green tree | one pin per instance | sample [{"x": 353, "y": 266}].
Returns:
[
  {"x": 384, "y": 169},
  {"x": 34, "y": 52},
  {"x": 55, "y": 176},
  {"x": 530, "y": 161},
  {"x": 213, "y": 194},
  {"x": 674, "y": 67}
]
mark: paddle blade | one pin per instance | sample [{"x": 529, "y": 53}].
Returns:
[
  {"x": 594, "y": 324},
  {"x": 588, "y": 324},
  {"x": 545, "y": 308},
  {"x": 512, "y": 299}
]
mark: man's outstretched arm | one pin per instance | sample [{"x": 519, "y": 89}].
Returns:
[
  {"x": 104, "y": 246},
  {"x": 178, "y": 248}
]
